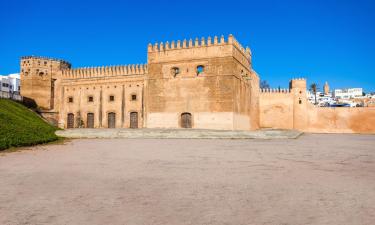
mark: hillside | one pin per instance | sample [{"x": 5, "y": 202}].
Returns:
[{"x": 19, "y": 126}]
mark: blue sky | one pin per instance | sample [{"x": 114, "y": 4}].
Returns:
[{"x": 327, "y": 40}]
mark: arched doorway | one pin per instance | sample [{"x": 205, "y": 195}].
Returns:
[
  {"x": 133, "y": 120},
  {"x": 70, "y": 120},
  {"x": 90, "y": 120},
  {"x": 111, "y": 120},
  {"x": 186, "y": 120}
]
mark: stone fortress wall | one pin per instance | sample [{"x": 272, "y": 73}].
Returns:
[
  {"x": 221, "y": 97},
  {"x": 208, "y": 83},
  {"x": 285, "y": 109}
]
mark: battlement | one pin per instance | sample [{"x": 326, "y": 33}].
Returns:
[
  {"x": 275, "y": 90},
  {"x": 297, "y": 83},
  {"x": 159, "y": 47},
  {"x": 104, "y": 71},
  {"x": 46, "y": 58},
  {"x": 199, "y": 48}
]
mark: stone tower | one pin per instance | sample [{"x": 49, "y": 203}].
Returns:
[
  {"x": 201, "y": 83},
  {"x": 38, "y": 79},
  {"x": 298, "y": 91},
  {"x": 326, "y": 88}
]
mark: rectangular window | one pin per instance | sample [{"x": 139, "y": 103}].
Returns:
[
  {"x": 111, "y": 98},
  {"x": 70, "y": 99},
  {"x": 134, "y": 97},
  {"x": 91, "y": 99}
]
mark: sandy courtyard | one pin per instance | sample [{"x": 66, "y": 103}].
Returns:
[{"x": 315, "y": 179}]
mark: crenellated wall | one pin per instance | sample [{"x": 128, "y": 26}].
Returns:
[
  {"x": 104, "y": 71},
  {"x": 199, "y": 49},
  {"x": 289, "y": 109},
  {"x": 210, "y": 80},
  {"x": 276, "y": 108},
  {"x": 224, "y": 96}
]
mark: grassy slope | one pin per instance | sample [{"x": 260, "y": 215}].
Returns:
[{"x": 21, "y": 127}]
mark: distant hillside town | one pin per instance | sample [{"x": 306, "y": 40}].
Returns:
[{"x": 348, "y": 97}]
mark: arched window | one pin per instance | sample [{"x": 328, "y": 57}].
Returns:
[
  {"x": 200, "y": 69},
  {"x": 175, "y": 71}
]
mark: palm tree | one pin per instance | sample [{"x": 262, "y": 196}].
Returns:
[{"x": 314, "y": 89}]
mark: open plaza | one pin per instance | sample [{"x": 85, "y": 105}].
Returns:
[{"x": 311, "y": 179}]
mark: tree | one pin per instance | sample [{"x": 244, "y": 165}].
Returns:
[
  {"x": 264, "y": 84},
  {"x": 314, "y": 89}
]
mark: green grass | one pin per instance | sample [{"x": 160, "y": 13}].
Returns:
[{"x": 20, "y": 126}]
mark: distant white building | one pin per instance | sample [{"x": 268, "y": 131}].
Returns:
[
  {"x": 10, "y": 83},
  {"x": 348, "y": 93},
  {"x": 322, "y": 99}
]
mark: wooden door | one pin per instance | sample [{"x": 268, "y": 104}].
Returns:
[
  {"x": 133, "y": 120},
  {"x": 111, "y": 120},
  {"x": 186, "y": 120},
  {"x": 90, "y": 120},
  {"x": 70, "y": 120}
]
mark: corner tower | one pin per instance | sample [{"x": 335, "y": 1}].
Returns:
[
  {"x": 38, "y": 78},
  {"x": 298, "y": 90},
  {"x": 205, "y": 83}
]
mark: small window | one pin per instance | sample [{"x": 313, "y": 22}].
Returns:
[
  {"x": 200, "y": 69},
  {"x": 91, "y": 99},
  {"x": 45, "y": 62},
  {"x": 300, "y": 101},
  {"x": 134, "y": 97},
  {"x": 70, "y": 99},
  {"x": 41, "y": 74},
  {"x": 175, "y": 71},
  {"x": 111, "y": 98}
]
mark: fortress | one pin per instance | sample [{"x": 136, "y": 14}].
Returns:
[{"x": 203, "y": 84}]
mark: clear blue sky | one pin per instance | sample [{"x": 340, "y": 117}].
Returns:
[{"x": 326, "y": 40}]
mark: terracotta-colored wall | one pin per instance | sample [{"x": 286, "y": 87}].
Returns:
[
  {"x": 276, "y": 110},
  {"x": 122, "y": 88},
  {"x": 340, "y": 120},
  {"x": 291, "y": 110}
]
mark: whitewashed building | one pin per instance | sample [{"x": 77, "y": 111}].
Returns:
[
  {"x": 348, "y": 93},
  {"x": 10, "y": 86}
]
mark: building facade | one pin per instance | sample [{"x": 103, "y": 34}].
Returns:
[
  {"x": 203, "y": 84},
  {"x": 348, "y": 93}
]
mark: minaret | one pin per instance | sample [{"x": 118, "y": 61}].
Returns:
[{"x": 326, "y": 88}]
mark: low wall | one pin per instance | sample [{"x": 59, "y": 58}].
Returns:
[
  {"x": 340, "y": 120},
  {"x": 276, "y": 110}
]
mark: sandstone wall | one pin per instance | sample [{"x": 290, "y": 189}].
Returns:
[
  {"x": 276, "y": 109},
  {"x": 340, "y": 120},
  {"x": 84, "y": 84}
]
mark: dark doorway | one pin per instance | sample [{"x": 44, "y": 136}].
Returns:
[
  {"x": 90, "y": 120},
  {"x": 70, "y": 120},
  {"x": 186, "y": 120},
  {"x": 133, "y": 120},
  {"x": 111, "y": 120}
]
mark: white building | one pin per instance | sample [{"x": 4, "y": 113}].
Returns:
[
  {"x": 321, "y": 98},
  {"x": 348, "y": 93},
  {"x": 10, "y": 83}
]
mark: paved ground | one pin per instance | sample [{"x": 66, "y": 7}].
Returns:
[
  {"x": 315, "y": 179},
  {"x": 177, "y": 133}
]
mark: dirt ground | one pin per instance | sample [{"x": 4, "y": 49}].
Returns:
[{"x": 315, "y": 179}]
